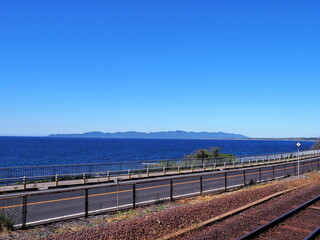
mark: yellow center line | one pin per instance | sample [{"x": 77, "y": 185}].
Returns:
[{"x": 138, "y": 189}]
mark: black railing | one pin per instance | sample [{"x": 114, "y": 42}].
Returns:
[{"x": 35, "y": 208}]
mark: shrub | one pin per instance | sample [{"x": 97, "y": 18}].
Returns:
[
  {"x": 211, "y": 153},
  {"x": 6, "y": 220},
  {"x": 316, "y": 145}
]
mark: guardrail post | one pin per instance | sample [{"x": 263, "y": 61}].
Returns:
[
  {"x": 129, "y": 173},
  {"x": 171, "y": 190},
  {"x": 86, "y": 203},
  {"x": 179, "y": 169},
  {"x": 249, "y": 163},
  {"x": 24, "y": 212},
  {"x": 84, "y": 177},
  {"x": 257, "y": 162},
  {"x": 133, "y": 196},
  {"x": 147, "y": 172},
  {"x": 234, "y": 165},
  {"x": 204, "y": 166},
  {"x": 56, "y": 180},
  {"x": 164, "y": 170},
  {"x": 108, "y": 175},
  {"x": 225, "y": 165},
  {"x": 242, "y": 164},
  {"x": 24, "y": 181},
  {"x": 191, "y": 168},
  {"x": 201, "y": 190},
  {"x": 215, "y": 166}
]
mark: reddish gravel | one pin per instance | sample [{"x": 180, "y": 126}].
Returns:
[
  {"x": 158, "y": 224},
  {"x": 252, "y": 218}
]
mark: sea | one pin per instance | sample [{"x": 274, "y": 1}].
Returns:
[{"x": 39, "y": 151}]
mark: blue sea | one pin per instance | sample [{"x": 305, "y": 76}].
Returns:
[{"x": 34, "y": 151}]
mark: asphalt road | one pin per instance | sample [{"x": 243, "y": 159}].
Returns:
[{"x": 54, "y": 206}]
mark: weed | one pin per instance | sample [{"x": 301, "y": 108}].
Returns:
[
  {"x": 160, "y": 208},
  {"x": 6, "y": 220}
]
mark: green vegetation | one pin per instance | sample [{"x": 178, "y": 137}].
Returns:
[
  {"x": 316, "y": 146},
  {"x": 6, "y": 221},
  {"x": 207, "y": 157},
  {"x": 211, "y": 153}
]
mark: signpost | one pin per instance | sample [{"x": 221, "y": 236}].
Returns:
[{"x": 298, "y": 145}]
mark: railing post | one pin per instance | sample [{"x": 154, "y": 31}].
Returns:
[
  {"x": 86, "y": 203},
  {"x": 225, "y": 181},
  {"x": 244, "y": 177},
  {"x": 56, "y": 180},
  {"x": 129, "y": 174},
  {"x": 260, "y": 174},
  {"x": 84, "y": 177},
  {"x": 147, "y": 172},
  {"x": 133, "y": 196},
  {"x": 164, "y": 170},
  {"x": 179, "y": 169},
  {"x": 24, "y": 183},
  {"x": 171, "y": 190},
  {"x": 201, "y": 190},
  {"x": 108, "y": 175},
  {"x": 273, "y": 172},
  {"x": 24, "y": 212}
]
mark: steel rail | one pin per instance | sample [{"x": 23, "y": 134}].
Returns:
[
  {"x": 314, "y": 234},
  {"x": 278, "y": 220}
]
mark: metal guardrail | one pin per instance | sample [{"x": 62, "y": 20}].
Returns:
[
  {"x": 55, "y": 173},
  {"x": 36, "y": 208}
]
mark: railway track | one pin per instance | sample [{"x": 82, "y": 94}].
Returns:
[{"x": 301, "y": 222}]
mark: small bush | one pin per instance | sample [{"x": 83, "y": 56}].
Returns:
[
  {"x": 316, "y": 146},
  {"x": 6, "y": 221}
]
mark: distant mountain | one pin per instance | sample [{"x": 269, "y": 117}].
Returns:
[{"x": 168, "y": 134}]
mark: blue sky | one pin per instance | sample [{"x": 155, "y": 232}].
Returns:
[{"x": 248, "y": 67}]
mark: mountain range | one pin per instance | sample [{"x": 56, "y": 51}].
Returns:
[{"x": 165, "y": 134}]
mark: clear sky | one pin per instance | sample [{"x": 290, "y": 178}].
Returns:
[{"x": 248, "y": 67}]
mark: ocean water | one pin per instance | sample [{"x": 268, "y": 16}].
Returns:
[{"x": 35, "y": 151}]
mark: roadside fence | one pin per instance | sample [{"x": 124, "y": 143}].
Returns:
[{"x": 36, "y": 208}]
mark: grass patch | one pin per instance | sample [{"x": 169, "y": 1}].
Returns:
[{"x": 6, "y": 221}]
